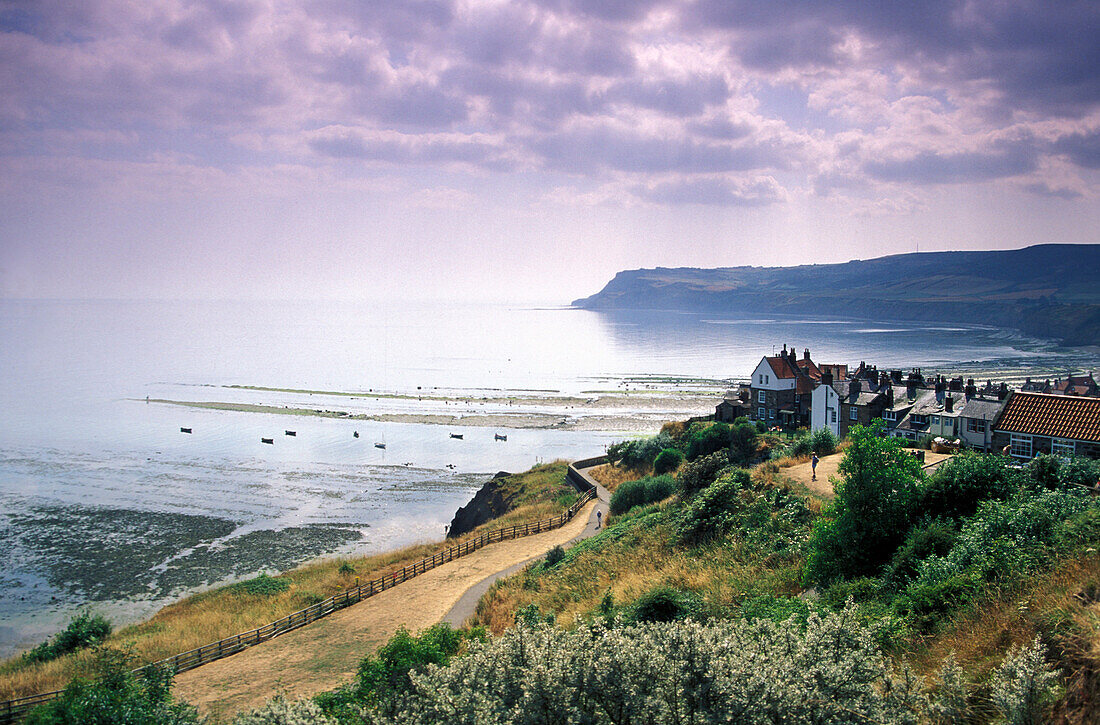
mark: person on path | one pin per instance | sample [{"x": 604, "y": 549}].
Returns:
[
  {"x": 599, "y": 518},
  {"x": 813, "y": 467}
]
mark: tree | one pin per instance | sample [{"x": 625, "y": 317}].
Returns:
[
  {"x": 742, "y": 441},
  {"x": 872, "y": 511},
  {"x": 704, "y": 441}
]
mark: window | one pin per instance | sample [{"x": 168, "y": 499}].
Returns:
[
  {"x": 760, "y": 397},
  {"x": 767, "y": 378},
  {"x": 771, "y": 412},
  {"x": 1063, "y": 447},
  {"x": 973, "y": 425},
  {"x": 935, "y": 420},
  {"x": 853, "y": 413},
  {"x": 920, "y": 420},
  {"x": 1020, "y": 446},
  {"x": 833, "y": 411},
  {"x": 760, "y": 414},
  {"x": 761, "y": 378},
  {"x": 890, "y": 415}
]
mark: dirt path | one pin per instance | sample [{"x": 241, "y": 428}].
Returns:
[
  {"x": 827, "y": 468},
  {"x": 326, "y": 653}
]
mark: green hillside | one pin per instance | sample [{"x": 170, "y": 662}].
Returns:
[{"x": 1049, "y": 290}]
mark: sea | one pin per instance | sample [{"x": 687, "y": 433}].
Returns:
[{"x": 105, "y": 504}]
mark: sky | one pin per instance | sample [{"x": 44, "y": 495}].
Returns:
[{"x": 527, "y": 150}]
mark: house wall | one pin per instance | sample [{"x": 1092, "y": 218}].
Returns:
[
  {"x": 864, "y": 415},
  {"x": 777, "y": 393},
  {"x": 1044, "y": 444},
  {"x": 823, "y": 403},
  {"x": 975, "y": 439}
]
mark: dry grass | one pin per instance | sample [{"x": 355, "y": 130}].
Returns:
[
  {"x": 629, "y": 562},
  {"x": 219, "y": 613},
  {"x": 610, "y": 476}
]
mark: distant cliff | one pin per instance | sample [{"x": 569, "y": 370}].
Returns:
[{"x": 1049, "y": 290}]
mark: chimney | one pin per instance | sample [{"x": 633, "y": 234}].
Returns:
[
  {"x": 889, "y": 396},
  {"x": 1002, "y": 392},
  {"x": 826, "y": 378},
  {"x": 854, "y": 389},
  {"x": 970, "y": 391},
  {"x": 956, "y": 384},
  {"x": 895, "y": 375},
  {"x": 806, "y": 353},
  {"x": 949, "y": 404}
]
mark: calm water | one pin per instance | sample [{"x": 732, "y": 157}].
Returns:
[{"x": 104, "y": 501}]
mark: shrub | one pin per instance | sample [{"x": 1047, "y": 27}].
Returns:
[
  {"x": 1043, "y": 470},
  {"x": 664, "y": 604},
  {"x": 84, "y": 630},
  {"x": 871, "y": 514},
  {"x": 700, "y": 473},
  {"x": 346, "y": 568},
  {"x": 743, "y": 436},
  {"x": 710, "y": 513},
  {"x": 388, "y": 672},
  {"x": 1079, "y": 471},
  {"x": 263, "y": 585},
  {"x": 824, "y": 442},
  {"x": 555, "y": 556},
  {"x": 1023, "y": 685},
  {"x": 704, "y": 441},
  {"x": 828, "y": 670},
  {"x": 637, "y": 493},
  {"x": 934, "y": 538},
  {"x": 114, "y": 695},
  {"x": 777, "y": 609},
  {"x": 639, "y": 452},
  {"x": 280, "y": 711},
  {"x": 667, "y": 461},
  {"x": 963, "y": 481}
]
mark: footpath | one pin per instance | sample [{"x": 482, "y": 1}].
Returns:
[
  {"x": 326, "y": 653},
  {"x": 827, "y": 468}
]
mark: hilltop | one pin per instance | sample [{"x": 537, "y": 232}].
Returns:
[{"x": 1048, "y": 290}]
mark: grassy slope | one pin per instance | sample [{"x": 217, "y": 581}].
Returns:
[
  {"x": 637, "y": 553},
  {"x": 223, "y": 612}
]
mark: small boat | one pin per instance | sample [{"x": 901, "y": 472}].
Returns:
[
  {"x": 185, "y": 430},
  {"x": 355, "y": 434},
  {"x": 456, "y": 435},
  {"x": 291, "y": 433},
  {"x": 499, "y": 437},
  {"x": 380, "y": 445},
  {"x": 269, "y": 441}
]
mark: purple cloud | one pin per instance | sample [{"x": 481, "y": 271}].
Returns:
[{"x": 714, "y": 192}]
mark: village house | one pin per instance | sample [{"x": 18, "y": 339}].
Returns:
[
  {"x": 734, "y": 405},
  {"x": 781, "y": 388},
  {"x": 1034, "y": 423},
  {"x": 1071, "y": 385}
]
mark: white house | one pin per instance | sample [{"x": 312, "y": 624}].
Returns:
[{"x": 825, "y": 408}]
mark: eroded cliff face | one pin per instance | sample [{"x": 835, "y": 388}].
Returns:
[{"x": 487, "y": 504}]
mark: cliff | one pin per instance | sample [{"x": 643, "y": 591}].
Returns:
[{"x": 1049, "y": 290}]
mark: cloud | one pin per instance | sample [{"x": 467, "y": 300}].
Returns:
[
  {"x": 930, "y": 167},
  {"x": 760, "y": 191},
  {"x": 1082, "y": 148}
]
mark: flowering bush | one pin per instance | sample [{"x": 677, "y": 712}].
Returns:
[{"x": 682, "y": 672}]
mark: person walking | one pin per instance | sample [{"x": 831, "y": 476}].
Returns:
[
  {"x": 599, "y": 519},
  {"x": 813, "y": 467}
]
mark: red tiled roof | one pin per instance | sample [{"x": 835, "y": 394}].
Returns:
[
  {"x": 781, "y": 366},
  {"x": 810, "y": 368},
  {"x": 1058, "y": 416}
]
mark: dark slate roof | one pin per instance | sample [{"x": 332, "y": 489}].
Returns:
[{"x": 1057, "y": 416}]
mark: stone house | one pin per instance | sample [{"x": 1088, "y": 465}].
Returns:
[{"x": 781, "y": 387}]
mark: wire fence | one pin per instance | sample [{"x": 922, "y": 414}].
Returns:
[{"x": 13, "y": 711}]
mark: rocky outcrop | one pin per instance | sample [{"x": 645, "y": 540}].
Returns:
[{"x": 488, "y": 503}]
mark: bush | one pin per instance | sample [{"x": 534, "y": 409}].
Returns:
[
  {"x": 702, "y": 441},
  {"x": 639, "y": 452},
  {"x": 700, "y": 473},
  {"x": 824, "y": 442},
  {"x": 664, "y": 604},
  {"x": 934, "y": 538},
  {"x": 280, "y": 711},
  {"x": 84, "y": 630},
  {"x": 826, "y": 671},
  {"x": 711, "y": 512},
  {"x": 871, "y": 514},
  {"x": 113, "y": 695},
  {"x": 667, "y": 461},
  {"x": 555, "y": 556},
  {"x": 1023, "y": 685},
  {"x": 1079, "y": 471},
  {"x": 965, "y": 480},
  {"x": 263, "y": 585},
  {"x": 743, "y": 436},
  {"x": 637, "y": 493},
  {"x": 346, "y": 568},
  {"x": 387, "y": 673}
]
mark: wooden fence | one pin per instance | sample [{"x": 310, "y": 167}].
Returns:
[{"x": 13, "y": 710}]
